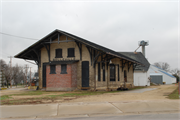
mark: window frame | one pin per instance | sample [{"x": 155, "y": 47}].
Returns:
[
  {"x": 70, "y": 53},
  {"x": 63, "y": 66},
  {"x": 99, "y": 72},
  {"x": 52, "y": 70},
  {"x": 113, "y": 79},
  {"x": 125, "y": 76},
  {"x": 104, "y": 72},
  {"x": 56, "y": 53}
]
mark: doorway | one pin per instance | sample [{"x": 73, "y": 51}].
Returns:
[
  {"x": 44, "y": 75},
  {"x": 85, "y": 74},
  {"x": 125, "y": 76}
]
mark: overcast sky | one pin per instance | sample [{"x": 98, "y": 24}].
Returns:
[{"x": 117, "y": 25}]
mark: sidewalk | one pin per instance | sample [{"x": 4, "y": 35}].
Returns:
[{"x": 89, "y": 109}]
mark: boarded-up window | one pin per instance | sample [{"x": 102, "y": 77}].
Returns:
[
  {"x": 52, "y": 69},
  {"x": 63, "y": 68},
  {"x": 112, "y": 72},
  {"x": 71, "y": 52},
  {"x": 58, "y": 53}
]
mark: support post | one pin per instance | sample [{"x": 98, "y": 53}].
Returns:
[{"x": 95, "y": 78}]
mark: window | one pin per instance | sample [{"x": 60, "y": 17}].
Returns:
[
  {"x": 63, "y": 69},
  {"x": 58, "y": 53},
  {"x": 71, "y": 52},
  {"x": 99, "y": 72},
  {"x": 125, "y": 76},
  {"x": 112, "y": 72},
  {"x": 52, "y": 69},
  {"x": 103, "y": 67},
  {"x": 118, "y": 72}
]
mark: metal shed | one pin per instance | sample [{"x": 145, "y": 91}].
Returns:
[{"x": 156, "y": 78}]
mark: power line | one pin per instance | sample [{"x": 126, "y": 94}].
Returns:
[{"x": 18, "y": 36}]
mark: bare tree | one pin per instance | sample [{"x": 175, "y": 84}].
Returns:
[
  {"x": 17, "y": 72},
  {"x": 2, "y": 64},
  {"x": 176, "y": 73},
  {"x": 2, "y": 67},
  {"x": 163, "y": 65},
  {"x": 7, "y": 74}
]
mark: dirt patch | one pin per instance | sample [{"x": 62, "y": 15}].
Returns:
[
  {"x": 161, "y": 92},
  {"x": 13, "y": 91},
  {"x": 157, "y": 94},
  {"x": 34, "y": 96}
]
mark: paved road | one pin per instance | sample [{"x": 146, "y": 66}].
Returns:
[{"x": 173, "y": 116}]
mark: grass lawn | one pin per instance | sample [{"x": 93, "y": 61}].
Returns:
[
  {"x": 8, "y": 100},
  {"x": 174, "y": 94},
  {"x": 5, "y": 97}
]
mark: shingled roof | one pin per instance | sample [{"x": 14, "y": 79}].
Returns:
[
  {"x": 138, "y": 57},
  {"x": 38, "y": 44}
]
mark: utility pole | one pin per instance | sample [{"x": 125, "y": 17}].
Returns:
[
  {"x": 24, "y": 79},
  {"x": 10, "y": 69},
  {"x": 30, "y": 76}
]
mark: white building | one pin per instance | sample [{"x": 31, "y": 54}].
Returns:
[
  {"x": 159, "y": 76},
  {"x": 0, "y": 79},
  {"x": 141, "y": 73}
]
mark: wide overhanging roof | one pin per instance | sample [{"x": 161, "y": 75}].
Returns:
[{"x": 29, "y": 51}]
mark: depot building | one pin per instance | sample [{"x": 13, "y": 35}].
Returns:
[{"x": 67, "y": 62}]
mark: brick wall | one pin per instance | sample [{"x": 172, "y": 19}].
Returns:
[{"x": 61, "y": 82}]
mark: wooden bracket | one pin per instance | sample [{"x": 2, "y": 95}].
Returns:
[
  {"x": 129, "y": 65},
  {"x": 80, "y": 49},
  {"x": 96, "y": 58},
  {"x": 123, "y": 64},
  {"x": 48, "y": 50}
]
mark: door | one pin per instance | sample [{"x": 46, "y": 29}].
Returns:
[
  {"x": 157, "y": 79},
  {"x": 85, "y": 74},
  {"x": 125, "y": 76},
  {"x": 103, "y": 66},
  {"x": 44, "y": 75}
]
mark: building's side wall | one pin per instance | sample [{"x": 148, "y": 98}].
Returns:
[
  {"x": 74, "y": 75},
  {"x": 64, "y": 46},
  {"x": 61, "y": 82},
  {"x": 0, "y": 79},
  {"x": 93, "y": 72},
  {"x": 141, "y": 78},
  {"x": 44, "y": 59},
  {"x": 166, "y": 78},
  {"x": 174, "y": 80},
  {"x": 115, "y": 84}
]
